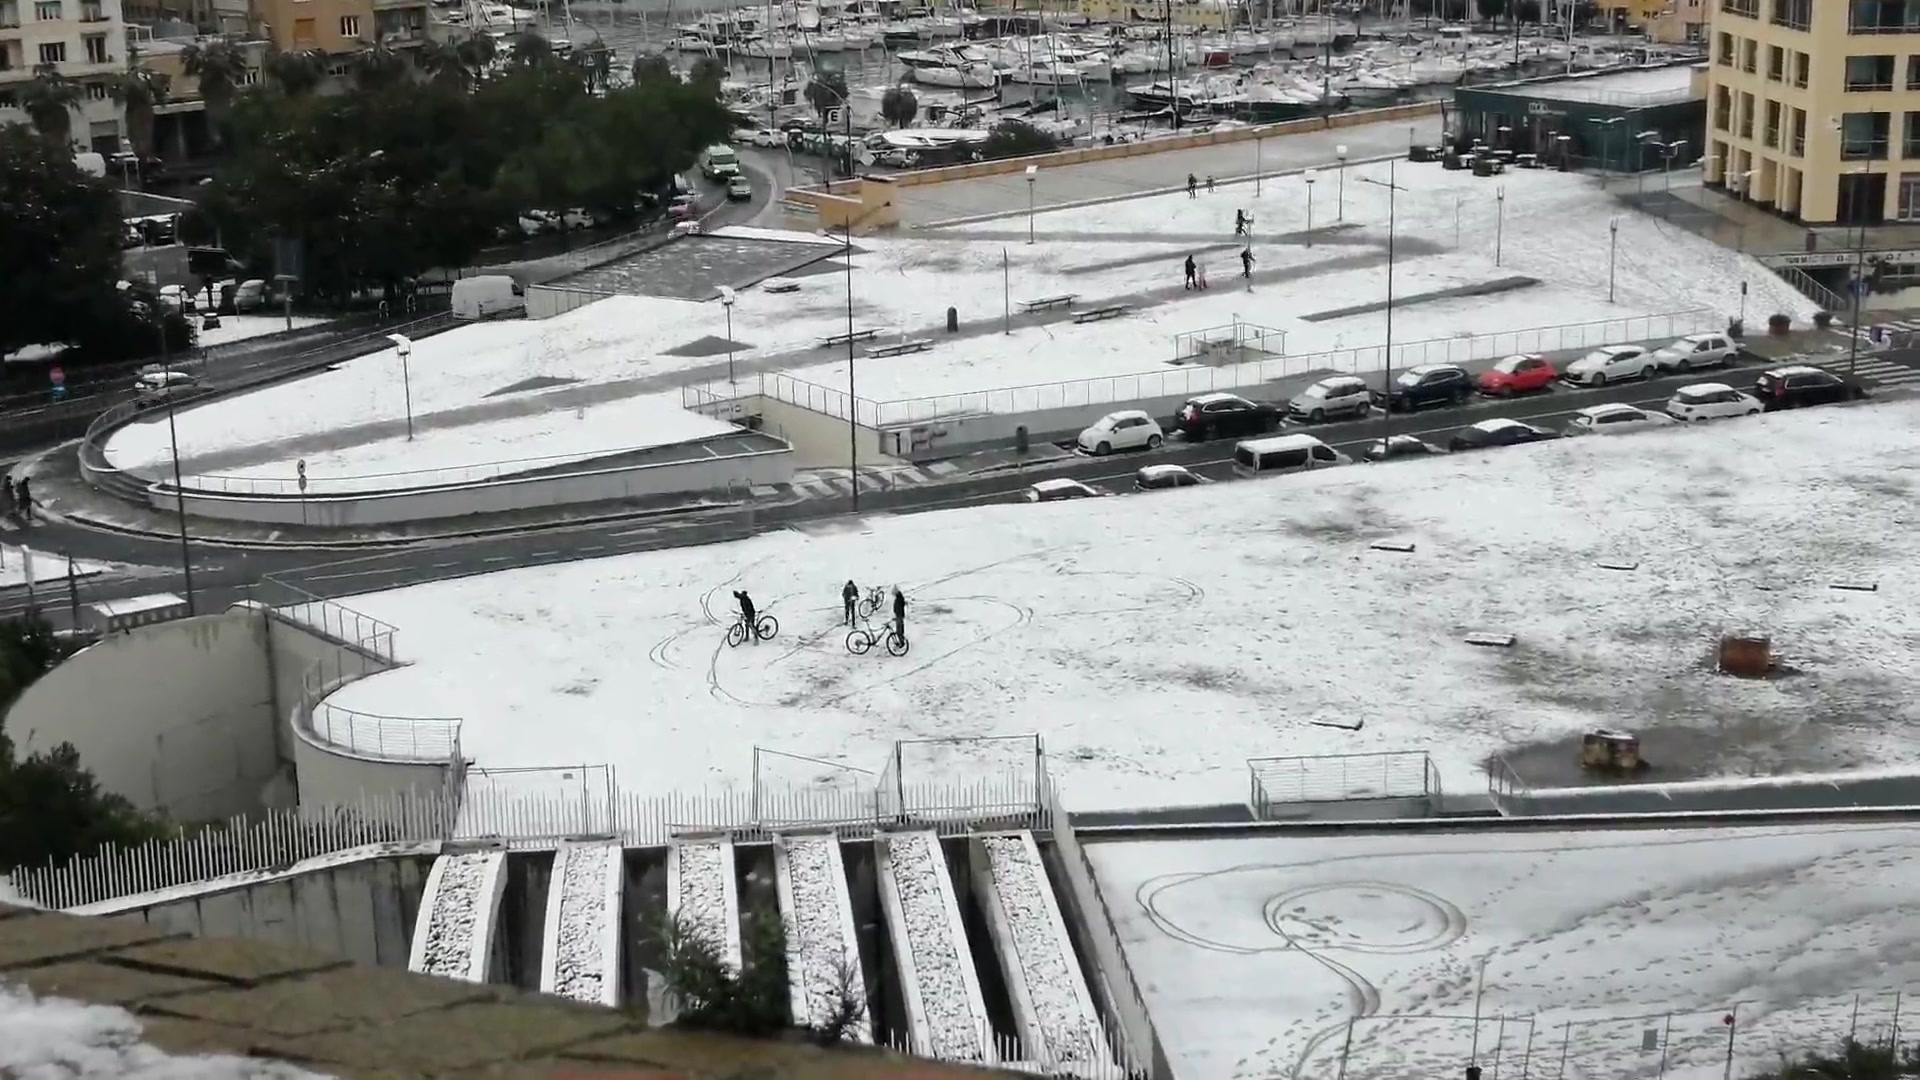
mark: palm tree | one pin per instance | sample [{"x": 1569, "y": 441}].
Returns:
[
  {"x": 297, "y": 74},
  {"x": 378, "y": 67},
  {"x": 139, "y": 91},
  {"x": 476, "y": 53},
  {"x": 49, "y": 101},
  {"x": 596, "y": 67},
  {"x": 220, "y": 70}
]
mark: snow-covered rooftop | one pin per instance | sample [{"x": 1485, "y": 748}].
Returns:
[
  {"x": 1157, "y": 644},
  {"x": 1633, "y": 89}
]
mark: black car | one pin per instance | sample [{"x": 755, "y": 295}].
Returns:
[
  {"x": 1429, "y": 384},
  {"x": 1489, "y": 433},
  {"x": 1400, "y": 446},
  {"x": 1798, "y": 386},
  {"x": 1210, "y": 415}
]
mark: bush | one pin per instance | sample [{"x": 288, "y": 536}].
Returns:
[
  {"x": 755, "y": 1001},
  {"x": 1853, "y": 1061}
]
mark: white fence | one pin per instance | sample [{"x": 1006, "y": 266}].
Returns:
[
  {"x": 1279, "y": 781},
  {"x": 320, "y": 484}
]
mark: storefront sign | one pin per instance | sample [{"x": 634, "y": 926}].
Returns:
[{"x": 1840, "y": 258}]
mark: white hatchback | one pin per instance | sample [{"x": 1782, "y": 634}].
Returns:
[
  {"x": 1610, "y": 363},
  {"x": 1697, "y": 351},
  {"x": 1710, "y": 401},
  {"x": 1616, "y": 419},
  {"x": 1130, "y": 429}
]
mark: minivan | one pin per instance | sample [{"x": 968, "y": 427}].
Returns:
[
  {"x": 719, "y": 162},
  {"x": 1284, "y": 453}
]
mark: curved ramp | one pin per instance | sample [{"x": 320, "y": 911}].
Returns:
[
  {"x": 580, "y": 947},
  {"x": 453, "y": 935},
  {"x": 823, "y": 952},
  {"x": 1060, "y": 1028},
  {"x": 946, "y": 1016},
  {"x": 703, "y": 896}
]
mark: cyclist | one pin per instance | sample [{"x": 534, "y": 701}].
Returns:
[
  {"x": 747, "y": 614},
  {"x": 900, "y": 613},
  {"x": 849, "y": 594}
]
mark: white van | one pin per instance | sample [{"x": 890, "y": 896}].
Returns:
[
  {"x": 719, "y": 162},
  {"x": 486, "y": 296},
  {"x": 1284, "y": 453}
]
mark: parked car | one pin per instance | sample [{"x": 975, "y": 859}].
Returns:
[
  {"x": 1208, "y": 415},
  {"x": 1498, "y": 432},
  {"x": 683, "y": 207},
  {"x": 1157, "y": 477},
  {"x": 1616, "y": 419},
  {"x": 1284, "y": 453},
  {"x": 1429, "y": 384},
  {"x": 1062, "y": 488},
  {"x": 1129, "y": 429},
  {"x": 1710, "y": 401},
  {"x": 1610, "y": 363},
  {"x": 1400, "y": 446},
  {"x": 250, "y": 295},
  {"x": 1334, "y": 396},
  {"x": 1697, "y": 351},
  {"x": 538, "y": 222},
  {"x": 739, "y": 188},
  {"x": 1799, "y": 385},
  {"x": 578, "y": 220},
  {"x": 1517, "y": 375}
]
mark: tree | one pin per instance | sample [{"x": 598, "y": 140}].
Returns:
[
  {"x": 49, "y": 101},
  {"x": 651, "y": 67},
  {"x": 477, "y": 54},
  {"x": 827, "y": 90},
  {"x": 530, "y": 50},
  {"x": 378, "y": 67},
  {"x": 139, "y": 91},
  {"x": 596, "y": 67},
  {"x": 1017, "y": 138},
  {"x": 219, "y": 69},
  {"x": 297, "y": 74},
  {"x": 899, "y": 106},
  {"x": 709, "y": 72},
  {"x": 60, "y": 233}
]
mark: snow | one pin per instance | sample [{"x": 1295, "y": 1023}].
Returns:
[
  {"x": 1254, "y": 953},
  {"x": 580, "y": 964},
  {"x": 941, "y": 965},
  {"x": 134, "y": 605},
  {"x": 701, "y": 906},
  {"x": 1646, "y": 86},
  {"x": 234, "y": 328},
  {"x": 458, "y": 912},
  {"x": 1060, "y": 1004},
  {"x": 47, "y": 568},
  {"x": 816, "y": 916},
  {"x": 47, "y": 1038}
]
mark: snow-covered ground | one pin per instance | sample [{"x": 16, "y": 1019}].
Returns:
[
  {"x": 1446, "y": 226},
  {"x": 1158, "y": 641},
  {"x": 47, "y": 568},
  {"x": 54, "y": 1038},
  {"x": 234, "y": 328},
  {"x": 1254, "y": 953}
]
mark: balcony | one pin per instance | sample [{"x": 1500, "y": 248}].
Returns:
[
  {"x": 1863, "y": 149},
  {"x": 94, "y": 15},
  {"x": 1773, "y": 136},
  {"x": 1797, "y": 146},
  {"x": 1746, "y": 9},
  {"x": 1866, "y": 86}
]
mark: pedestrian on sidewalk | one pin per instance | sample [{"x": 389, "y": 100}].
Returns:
[
  {"x": 1246, "y": 262},
  {"x": 24, "y": 497},
  {"x": 1209, "y": 183},
  {"x": 1239, "y": 223},
  {"x": 849, "y": 594},
  {"x": 1193, "y": 186},
  {"x": 1190, "y": 271}
]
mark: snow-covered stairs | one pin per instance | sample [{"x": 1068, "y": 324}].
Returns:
[
  {"x": 580, "y": 945},
  {"x": 823, "y": 953},
  {"x": 453, "y": 936},
  {"x": 1058, "y": 1024},
  {"x": 703, "y": 896},
  {"x": 946, "y": 1015}
]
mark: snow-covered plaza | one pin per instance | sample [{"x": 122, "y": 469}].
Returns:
[
  {"x": 1158, "y": 641},
  {"x": 1623, "y": 952}
]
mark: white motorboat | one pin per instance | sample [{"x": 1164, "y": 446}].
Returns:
[{"x": 765, "y": 48}]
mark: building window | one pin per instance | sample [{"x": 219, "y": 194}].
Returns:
[
  {"x": 1749, "y": 55},
  {"x": 48, "y": 10},
  {"x": 1724, "y": 53},
  {"x": 92, "y": 13},
  {"x": 96, "y": 46},
  {"x": 1801, "y": 62},
  {"x": 9, "y": 16},
  {"x": 303, "y": 31},
  {"x": 1883, "y": 17},
  {"x": 1773, "y": 124},
  {"x": 1909, "y": 208},
  {"x": 1793, "y": 14},
  {"x": 350, "y": 26},
  {"x": 53, "y": 52},
  {"x": 1693, "y": 33},
  {"x": 1797, "y": 138},
  {"x": 1776, "y": 64},
  {"x": 1746, "y": 116},
  {"x": 1746, "y": 9},
  {"x": 95, "y": 91},
  {"x": 1722, "y": 109},
  {"x": 250, "y": 77},
  {"x": 1910, "y": 135},
  {"x": 1869, "y": 73},
  {"x": 1863, "y": 136}
]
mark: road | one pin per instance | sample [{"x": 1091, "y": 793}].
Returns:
[{"x": 222, "y": 575}]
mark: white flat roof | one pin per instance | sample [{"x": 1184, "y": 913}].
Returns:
[
  {"x": 133, "y": 605},
  {"x": 1641, "y": 86}
]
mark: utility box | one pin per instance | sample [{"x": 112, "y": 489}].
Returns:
[{"x": 1611, "y": 751}]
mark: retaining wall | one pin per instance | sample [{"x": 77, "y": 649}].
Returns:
[
  {"x": 176, "y": 717},
  {"x": 818, "y": 439}
]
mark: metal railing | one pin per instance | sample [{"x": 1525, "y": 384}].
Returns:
[
  {"x": 1804, "y": 282},
  {"x": 1282, "y": 781}
]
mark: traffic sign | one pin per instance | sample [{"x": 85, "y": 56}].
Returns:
[
  {"x": 1861, "y": 287},
  {"x": 57, "y": 375}
]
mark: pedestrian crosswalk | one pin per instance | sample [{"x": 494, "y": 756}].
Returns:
[
  {"x": 835, "y": 484},
  {"x": 1884, "y": 372}
]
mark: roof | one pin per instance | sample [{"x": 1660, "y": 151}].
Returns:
[
  {"x": 1508, "y": 363},
  {"x": 1703, "y": 388},
  {"x": 1126, "y": 412},
  {"x": 1422, "y": 369},
  {"x": 1059, "y": 484},
  {"x": 1611, "y": 349},
  {"x": 1595, "y": 411},
  {"x": 1636, "y": 88},
  {"x": 1163, "y": 470},
  {"x": 1339, "y": 380},
  {"x": 1796, "y": 369},
  {"x": 1498, "y": 423},
  {"x": 1214, "y": 395}
]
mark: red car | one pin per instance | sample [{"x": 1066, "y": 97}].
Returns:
[{"x": 1517, "y": 375}]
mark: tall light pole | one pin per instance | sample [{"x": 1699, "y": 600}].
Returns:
[
  {"x": 1644, "y": 139},
  {"x": 1309, "y": 176},
  {"x": 173, "y": 440},
  {"x": 726, "y": 301},
  {"x": 1499, "y": 222},
  {"x": 853, "y": 424},
  {"x": 1340, "y": 197},
  {"x": 1033, "y": 173},
  {"x": 1613, "y": 248},
  {"x": 404, "y": 346},
  {"x": 1258, "y": 166}
]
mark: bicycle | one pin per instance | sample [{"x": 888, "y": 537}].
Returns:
[
  {"x": 871, "y": 603},
  {"x": 861, "y": 640},
  {"x": 765, "y": 628}
]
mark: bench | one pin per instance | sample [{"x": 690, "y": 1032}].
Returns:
[
  {"x": 835, "y": 340},
  {"x": 901, "y": 348},
  {"x": 1063, "y": 300},
  {"x": 1099, "y": 313}
]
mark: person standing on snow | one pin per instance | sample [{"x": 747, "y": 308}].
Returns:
[
  {"x": 900, "y": 612},
  {"x": 1246, "y": 263},
  {"x": 849, "y": 595},
  {"x": 747, "y": 614},
  {"x": 1190, "y": 271},
  {"x": 24, "y": 497}
]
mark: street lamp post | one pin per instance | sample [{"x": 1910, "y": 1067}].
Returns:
[
  {"x": 1258, "y": 167},
  {"x": 173, "y": 440},
  {"x": 1033, "y": 173},
  {"x": 1613, "y": 247},
  {"x": 1644, "y": 139},
  {"x": 404, "y": 346},
  {"x": 1386, "y": 353},
  {"x": 1310, "y": 176},
  {"x": 726, "y": 301},
  {"x": 1340, "y": 195},
  {"x": 1499, "y": 222},
  {"x": 853, "y": 424}
]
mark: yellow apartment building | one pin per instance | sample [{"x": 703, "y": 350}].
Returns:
[
  {"x": 340, "y": 28},
  {"x": 1813, "y": 107},
  {"x": 84, "y": 40}
]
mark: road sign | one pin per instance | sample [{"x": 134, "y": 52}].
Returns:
[
  {"x": 833, "y": 117},
  {"x": 1860, "y": 287},
  {"x": 57, "y": 375}
]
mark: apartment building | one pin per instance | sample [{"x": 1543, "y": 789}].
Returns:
[
  {"x": 1680, "y": 21},
  {"x": 340, "y": 28},
  {"x": 1814, "y": 107},
  {"x": 84, "y": 40}
]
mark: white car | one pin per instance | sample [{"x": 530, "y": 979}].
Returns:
[
  {"x": 1697, "y": 351},
  {"x": 1336, "y": 395},
  {"x": 1615, "y": 419},
  {"x": 1131, "y": 429},
  {"x": 1710, "y": 401},
  {"x": 1610, "y": 363},
  {"x": 1055, "y": 490}
]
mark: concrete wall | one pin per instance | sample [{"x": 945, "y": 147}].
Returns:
[
  {"x": 546, "y": 301},
  {"x": 818, "y": 439},
  {"x": 363, "y": 910},
  {"x": 177, "y": 717},
  {"x": 333, "y": 777},
  {"x": 292, "y": 651},
  {"x": 492, "y": 496}
]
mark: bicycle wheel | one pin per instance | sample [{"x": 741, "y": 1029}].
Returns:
[
  {"x": 736, "y": 635},
  {"x": 767, "y": 627},
  {"x": 858, "y": 642},
  {"x": 896, "y": 644}
]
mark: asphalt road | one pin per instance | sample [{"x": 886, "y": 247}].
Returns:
[{"x": 221, "y": 575}]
